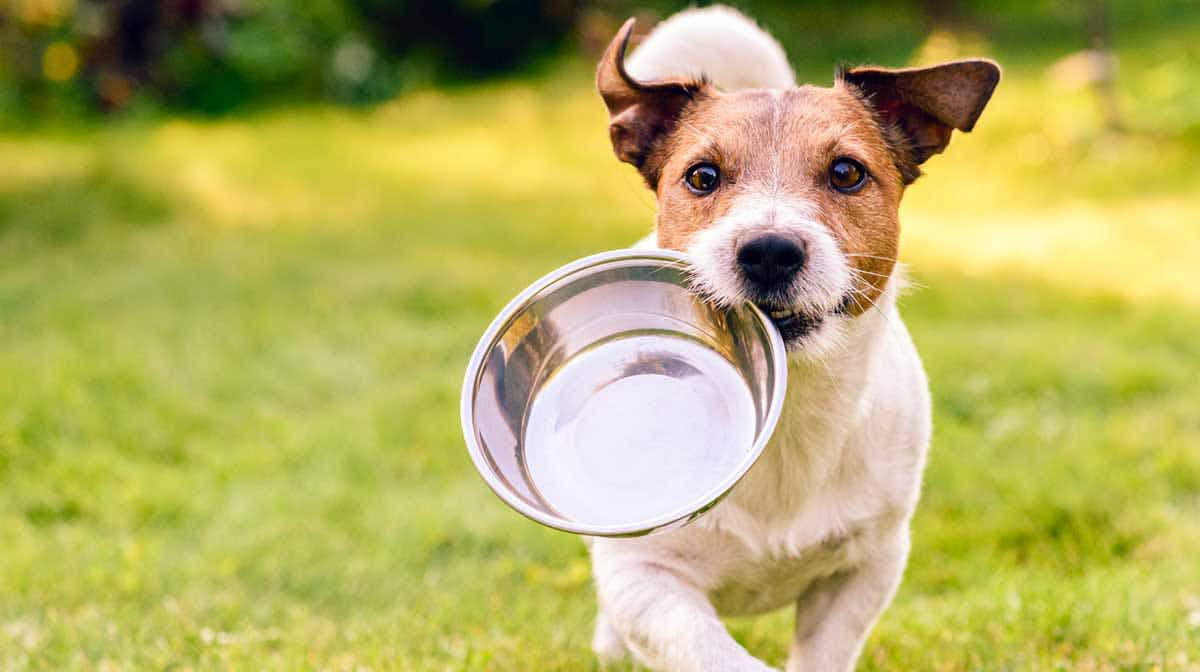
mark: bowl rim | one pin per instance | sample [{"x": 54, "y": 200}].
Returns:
[{"x": 777, "y": 352}]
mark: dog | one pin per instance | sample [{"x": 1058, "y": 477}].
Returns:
[{"x": 786, "y": 196}]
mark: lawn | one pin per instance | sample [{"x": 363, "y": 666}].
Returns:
[{"x": 231, "y": 351}]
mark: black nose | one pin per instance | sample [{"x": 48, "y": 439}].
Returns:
[{"x": 771, "y": 261}]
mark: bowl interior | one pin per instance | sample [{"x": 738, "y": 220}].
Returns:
[{"x": 608, "y": 399}]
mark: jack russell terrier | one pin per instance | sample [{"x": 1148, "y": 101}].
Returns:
[{"x": 786, "y": 196}]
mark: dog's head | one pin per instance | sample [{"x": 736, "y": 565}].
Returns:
[{"x": 789, "y": 198}]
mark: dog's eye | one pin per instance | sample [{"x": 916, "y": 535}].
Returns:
[
  {"x": 702, "y": 178},
  {"x": 847, "y": 175}
]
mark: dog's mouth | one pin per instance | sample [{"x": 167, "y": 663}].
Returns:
[{"x": 794, "y": 324}]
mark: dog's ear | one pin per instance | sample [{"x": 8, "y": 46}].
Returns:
[
  {"x": 921, "y": 106},
  {"x": 640, "y": 113}
]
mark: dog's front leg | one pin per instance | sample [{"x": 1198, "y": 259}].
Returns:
[
  {"x": 668, "y": 623},
  {"x": 834, "y": 617}
]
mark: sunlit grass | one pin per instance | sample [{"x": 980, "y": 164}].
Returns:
[{"x": 231, "y": 353}]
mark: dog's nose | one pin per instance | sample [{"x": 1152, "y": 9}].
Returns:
[{"x": 771, "y": 261}]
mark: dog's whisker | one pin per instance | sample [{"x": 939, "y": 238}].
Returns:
[
  {"x": 890, "y": 324},
  {"x": 908, "y": 281},
  {"x": 870, "y": 256},
  {"x": 879, "y": 275}
]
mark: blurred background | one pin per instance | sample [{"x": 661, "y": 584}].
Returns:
[{"x": 246, "y": 247}]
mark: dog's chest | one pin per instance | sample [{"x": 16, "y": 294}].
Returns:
[
  {"x": 753, "y": 583},
  {"x": 776, "y": 544}
]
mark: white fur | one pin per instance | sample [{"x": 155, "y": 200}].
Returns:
[
  {"x": 716, "y": 42},
  {"x": 822, "y": 519}
]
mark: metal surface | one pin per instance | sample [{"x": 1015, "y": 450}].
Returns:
[{"x": 608, "y": 400}]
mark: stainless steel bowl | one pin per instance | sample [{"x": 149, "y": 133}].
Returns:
[{"x": 608, "y": 400}]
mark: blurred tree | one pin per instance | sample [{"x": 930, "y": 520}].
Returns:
[
  {"x": 203, "y": 55},
  {"x": 215, "y": 55},
  {"x": 134, "y": 39},
  {"x": 469, "y": 37}
]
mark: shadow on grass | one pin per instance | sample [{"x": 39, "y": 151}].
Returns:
[{"x": 64, "y": 208}]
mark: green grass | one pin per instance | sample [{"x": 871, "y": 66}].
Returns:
[{"x": 230, "y": 357}]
